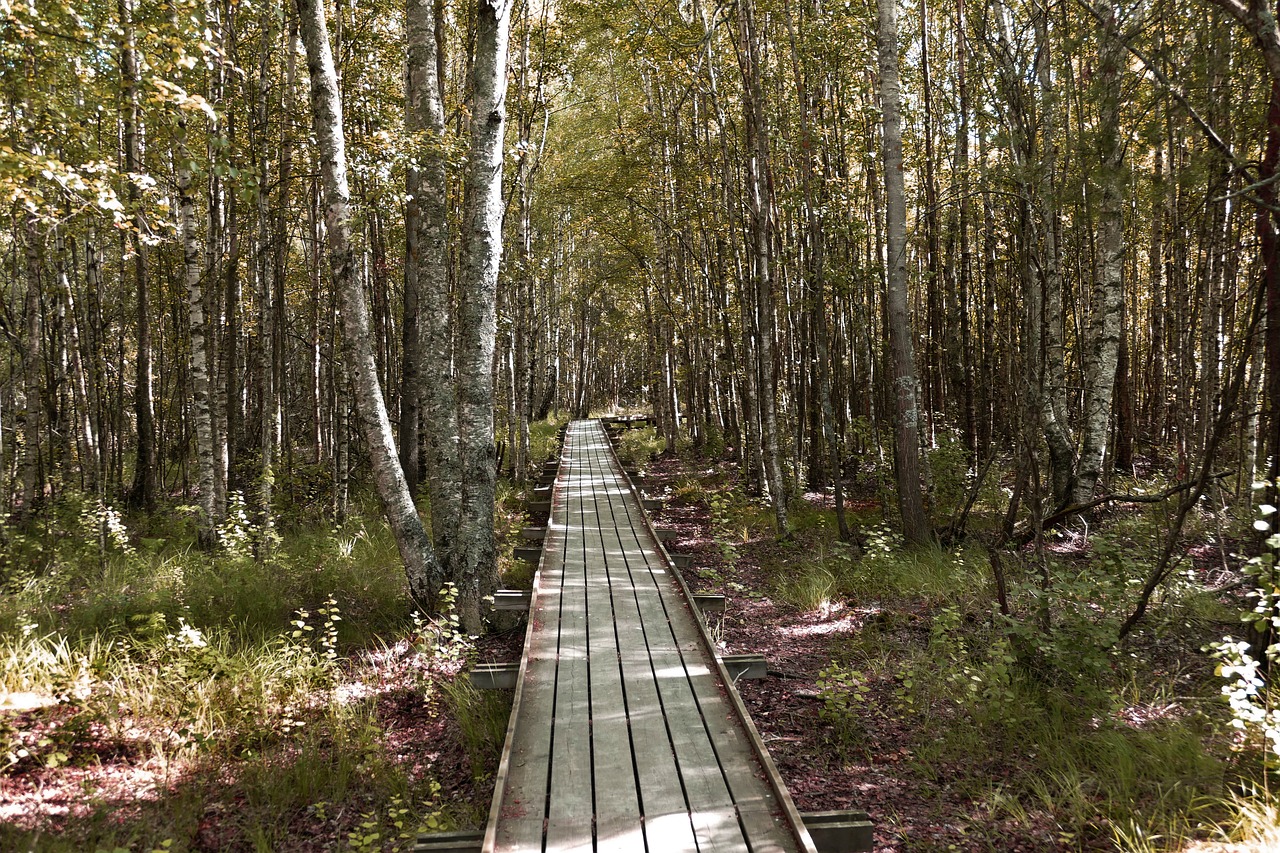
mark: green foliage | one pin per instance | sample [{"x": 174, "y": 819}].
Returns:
[
  {"x": 1255, "y": 701},
  {"x": 950, "y": 473},
  {"x": 889, "y": 571},
  {"x": 481, "y": 717},
  {"x": 640, "y": 444},
  {"x": 442, "y": 638},
  {"x": 219, "y": 665},
  {"x": 844, "y": 694},
  {"x": 544, "y": 438},
  {"x": 395, "y": 825}
]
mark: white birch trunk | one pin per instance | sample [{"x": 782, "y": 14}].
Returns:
[
  {"x": 201, "y": 410},
  {"x": 476, "y": 569},
  {"x": 30, "y": 403},
  {"x": 429, "y": 256},
  {"x": 915, "y": 524},
  {"x": 86, "y": 437},
  {"x": 411, "y": 537},
  {"x": 1103, "y": 347}
]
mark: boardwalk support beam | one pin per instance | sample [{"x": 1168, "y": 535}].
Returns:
[
  {"x": 529, "y": 553},
  {"x": 511, "y": 599},
  {"x": 709, "y": 602},
  {"x": 495, "y": 676},
  {"x": 832, "y": 832},
  {"x": 745, "y": 666}
]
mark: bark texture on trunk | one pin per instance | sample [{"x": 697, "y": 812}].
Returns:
[
  {"x": 1103, "y": 347},
  {"x": 760, "y": 202},
  {"x": 915, "y": 525},
  {"x": 31, "y": 404},
  {"x": 143, "y": 492},
  {"x": 476, "y": 567},
  {"x": 201, "y": 411},
  {"x": 411, "y": 537},
  {"x": 435, "y": 390}
]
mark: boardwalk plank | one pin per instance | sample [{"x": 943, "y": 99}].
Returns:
[
  {"x": 569, "y": 799},
  {"x": 517, "y": 826}
]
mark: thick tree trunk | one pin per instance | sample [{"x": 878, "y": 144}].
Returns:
[
  {"x": 1053, "y": 385},
  {"x": 906, "y": 445},
  {"x": 1103, "y": 346},
  {"x": 437, "y": 392},
  {"x": 411, "y": 537},
  {"x": 476, "y": 570}
]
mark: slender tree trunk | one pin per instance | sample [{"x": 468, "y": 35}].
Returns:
[
  {"x": 411, "y": 537},
  {"x": 816, "y": 199},
  {"x": 1270, "y": 246},
  {"x": 31, "y": 405},
  {"x": 760, "y": 196},
  {"x": 906, "y": 395},
  {"x": 86, "y": 437},
  {"x": 205, "y": 462},
  {"x": 143, "y": 492},
  {"x": 95, "y": 332}
]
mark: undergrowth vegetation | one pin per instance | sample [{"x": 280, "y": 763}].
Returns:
[
  {"x": 1006, "y": 672},
  {"x": 157, "y": 697}
]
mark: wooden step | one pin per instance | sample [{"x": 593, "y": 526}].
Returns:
[
  {"x": 533, "y": 533},
  {"x": 681, "y": 561},
  {"x": 537, "y": 507},
  {"x": 666, "y": 534},
  {"x": 652, "y": 504}
]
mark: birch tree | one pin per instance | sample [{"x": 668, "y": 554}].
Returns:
[
  {"x": 906, "y": 443},
  {"x": 205, "y": 461},
  {"x": 476, "y": 569},
  {"x": 430, "y": 381},
  {"x": 1101, "y": 350},
  {"x": 411, "y": 537}
]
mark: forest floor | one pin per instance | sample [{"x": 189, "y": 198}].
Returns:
[
  {"x": 849, "y": 726},
  {"x": 160, "y": 702},
  {"x": 911, "y": 810}
]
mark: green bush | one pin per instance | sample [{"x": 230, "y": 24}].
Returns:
[{"x": 640, "y": 444}]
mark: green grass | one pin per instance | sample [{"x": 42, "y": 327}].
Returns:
[
  {"x": 640, "y": 444},
  {"x": 544, "y": 438},
  {"x": 481, "y": 716},
  {"x": 221, "y": 672}
]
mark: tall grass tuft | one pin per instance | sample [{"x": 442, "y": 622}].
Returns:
[{"x": 481, "y": 716}]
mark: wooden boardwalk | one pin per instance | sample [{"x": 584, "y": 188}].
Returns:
[{"x": 625, "y": 734}]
